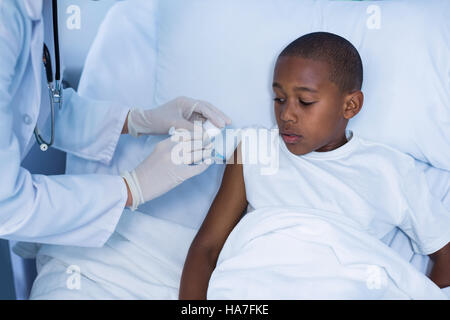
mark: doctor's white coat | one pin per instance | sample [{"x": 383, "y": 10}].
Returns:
[{"x": 68, "y": 209}]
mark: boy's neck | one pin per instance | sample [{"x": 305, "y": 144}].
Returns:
[{"x": 336, "y": 143}]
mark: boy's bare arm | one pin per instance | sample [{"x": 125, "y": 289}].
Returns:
[
  {"x": 440, "y": 274},
  {"x": 224, "y": 213}
]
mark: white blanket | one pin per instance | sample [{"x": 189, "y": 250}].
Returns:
[
  {"x": 300, "y": 253},
  {"x": 277, "y": 253}
]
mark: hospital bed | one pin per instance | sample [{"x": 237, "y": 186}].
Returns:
[{"x": 148, "y": 52}]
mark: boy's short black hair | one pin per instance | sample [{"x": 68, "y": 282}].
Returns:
[{"x": 342, "y": 57}]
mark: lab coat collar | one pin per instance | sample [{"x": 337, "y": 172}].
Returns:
[{"x": 33, "y": 8}]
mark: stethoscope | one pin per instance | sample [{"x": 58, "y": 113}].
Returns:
[{"x": 54, "y": 87}]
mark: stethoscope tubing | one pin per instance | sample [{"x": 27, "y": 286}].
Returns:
[{"x": 55, "y": 92}]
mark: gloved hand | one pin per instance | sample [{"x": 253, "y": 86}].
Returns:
[
  {"x": 177, "y": 113},
  {"x": 171, "y": 163}
]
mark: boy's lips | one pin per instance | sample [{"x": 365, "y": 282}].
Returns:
[{"x": 291, "y": 138}]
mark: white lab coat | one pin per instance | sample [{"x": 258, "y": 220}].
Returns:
[{"x": 68, "y": 209}]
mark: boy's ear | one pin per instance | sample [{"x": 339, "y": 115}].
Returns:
[{"x": 353, "y": 104}]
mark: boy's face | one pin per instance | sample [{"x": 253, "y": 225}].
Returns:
[{"x": 311, "y": 111}]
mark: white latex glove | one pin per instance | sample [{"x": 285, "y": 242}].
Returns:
[
  {"x": 171, "y": 163},
  {"x": 177, "y": 113}
]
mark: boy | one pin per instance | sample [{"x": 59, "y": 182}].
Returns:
[{"x": 317, "y": 86}]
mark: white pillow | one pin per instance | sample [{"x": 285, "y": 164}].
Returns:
[
  {"x": 121, "y": 67},
  {"x": 224, "y": 52},
  {"x": 123, "y": 55}
]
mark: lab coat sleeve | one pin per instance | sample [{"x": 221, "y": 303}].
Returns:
[
  {"x": 80, "y": 210},
  {"x": 87, "y": 128},
  {"x": 67, "y": 210}
]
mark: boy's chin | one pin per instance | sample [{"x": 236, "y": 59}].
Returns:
[{"x": 296, "y": 149}]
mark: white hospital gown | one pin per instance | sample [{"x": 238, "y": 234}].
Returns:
[{"x": 376, "y": 186}]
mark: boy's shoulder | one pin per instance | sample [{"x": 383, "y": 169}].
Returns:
[{"x": 385, "y": 154}]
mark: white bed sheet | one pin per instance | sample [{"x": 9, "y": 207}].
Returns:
[{"x": 142, "y": 260}]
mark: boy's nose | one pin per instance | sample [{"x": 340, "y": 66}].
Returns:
[{"x": 288, "y": 112}]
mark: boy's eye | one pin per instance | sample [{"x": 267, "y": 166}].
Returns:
[{"x": 305, "y": 103}]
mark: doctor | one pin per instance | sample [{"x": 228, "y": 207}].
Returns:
[{"x": 75, "y": 210}]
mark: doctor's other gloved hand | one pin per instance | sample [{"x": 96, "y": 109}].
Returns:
[
  {"x": 179, "y": 113},
  {"x": 170, "y": 164}
]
